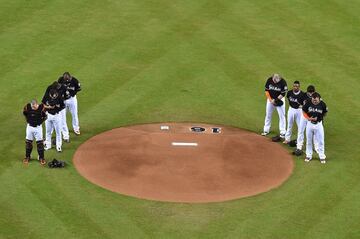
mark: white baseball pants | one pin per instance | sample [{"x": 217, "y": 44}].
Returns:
[
  {"x": 316, "y": 132},
  {"x": 64, "y": 127},
  {"x": 34, "y": 133},
  {"x": 294, "y": 115},
  {"x": 53, "y": 122},
  {"x": 301, "y": 134},
  {"x": 281, "y": 112},
  {"x": 72, "y": 105}
]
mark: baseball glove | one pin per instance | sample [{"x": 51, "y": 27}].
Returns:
[
  {"x": 278, "y": 102},
  {"x": 276, "y": 138},
  {"x": 292, "y": 143}
]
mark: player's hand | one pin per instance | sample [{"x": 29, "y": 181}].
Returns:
[{"x": 272, "y": 101}]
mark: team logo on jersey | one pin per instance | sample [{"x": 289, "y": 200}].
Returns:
[
  {"x": 311, "y": 109},
  {"x": 271, "y": 87},
  {"x": 293, "y": 99}
]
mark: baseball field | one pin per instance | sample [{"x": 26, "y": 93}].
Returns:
[{"x": 179, "y": 61}]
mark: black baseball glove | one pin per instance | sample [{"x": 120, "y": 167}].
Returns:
[{"x": 278, "y": 102}]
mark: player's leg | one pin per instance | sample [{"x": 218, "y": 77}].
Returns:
[
  {"x": 320, "y": 139},
  {"x": 297, "y": 117},
  {"x": 64, "y": 127},
  {"x": 269, "y": 110},
  {"x": 309, "y": 141},
  {"x": 28, "y": 143},
  {"x": 57, "y": 126},
  {"x": 282, "y": 119},
  {"x": 301, "y": 133},
  {"x": 49, "y": 127},
  {"x": 38, "y": 135},
  {"x": 290, "y": 121},
  {"x": 74, "y": 114}
]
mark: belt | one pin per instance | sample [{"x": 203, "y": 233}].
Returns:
[
  {"x": 315, "y": 122},
  {"x": 34, "y": 125},
  {"x": 54, "y": 114}
]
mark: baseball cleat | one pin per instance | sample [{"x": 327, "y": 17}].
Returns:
[
  {"x": 322, "y": 161},
  {"x": 67, "y": 140},
  {"x": 77, "y": 132},
  {"x": 47, "y": 147},
  {"x": 307, "y": 160},
  {"x": 282, "y": 136},
  {"x": 264, "y": 133},
  {"x": 297, "y": 152},
  {"x": 26, "y": 160},
  {"x": 42, "y": 161},
  {"x": 58, "y": 149}
]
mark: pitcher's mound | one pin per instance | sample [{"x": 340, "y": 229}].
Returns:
[{"x": 183, "y": 162}]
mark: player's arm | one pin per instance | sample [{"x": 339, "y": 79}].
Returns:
[
  {"x": 305, "y": 111},
  {"x": 77, "y": 85},
  {"x": 325, "y": 109},
  {"x": 25, "y": 112},
  {"x": 44, "y": 99},
  {"x": 283, "y": 90},
  {"x": 267, "y": 93}
]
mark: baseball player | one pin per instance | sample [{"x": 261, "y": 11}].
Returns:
[
  {"x": 303, "y": 122},
  {"x": 54, "y": 120},
  {"x": 294, "y": 97},
  {"x": 275, "y": 91},
  {"x": 72, "y": 87},
  {"x": 64, "y": 129},
  {"x": 35, "y": 115},
  {"x": 314, "y": 111}
]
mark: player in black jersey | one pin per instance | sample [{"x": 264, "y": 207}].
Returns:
[
  {"x": 295, "y": 98},
  {"x": 303, "y": 122},
  {"x": 72, "y": 87},
  {"x": 314, "y": 111},
  {"x": 53, "y": 98},
  {"x": 35, "y": 115},
  {"x": 275, "y": 91}
]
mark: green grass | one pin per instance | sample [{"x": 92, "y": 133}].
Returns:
[{"x": 201, "y": 61}]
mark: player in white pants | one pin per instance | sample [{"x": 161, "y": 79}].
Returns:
[
  {"x": 54, "y": 119},
  {"x": 303, "y": 122},
  {"x": 315, "y": 111},
  {"x": 72, "y": 87},
  {"x": 35, "y": 116},
  {"x": 275, "y": 90},
  {"x": 294, "y": 97}
]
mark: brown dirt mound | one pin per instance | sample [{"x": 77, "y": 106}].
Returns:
[{"x": 141, "y": 161}]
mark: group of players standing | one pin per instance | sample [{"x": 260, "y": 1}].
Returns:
[
  {"x": 306, "y": 109},
  {"x": 59, "y": 97}
]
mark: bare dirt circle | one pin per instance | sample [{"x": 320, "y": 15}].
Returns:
[{"x": 170, "y": 162}]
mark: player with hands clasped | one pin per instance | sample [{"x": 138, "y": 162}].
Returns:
[
  {"x": 314, "y": 111},
  {"x": 294, "y": 97},
  {"x": 72, "y": 87},
  {"x": 275, "y": 91},
  {"x": 35, "y": 115},
  {"x": 53, "y": 99},
  {"x": 303, "y": 121}
]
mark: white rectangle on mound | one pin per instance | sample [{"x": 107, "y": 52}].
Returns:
[
  {"x": 164, "y": 127},
  {"x": 183, "y": 144}
]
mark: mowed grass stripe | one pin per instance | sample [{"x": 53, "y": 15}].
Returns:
[{"x": 185, "y": 50}]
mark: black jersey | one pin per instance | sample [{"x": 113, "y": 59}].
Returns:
[
  {"x": 57, "y": 102},
  {"x": 295, "y": 99},
  {"x": 313, "y": 111},
  {"x": 34, "y": 117},
  {"x": 72, "y": 86},
  {"x": 276, "y": 89}
]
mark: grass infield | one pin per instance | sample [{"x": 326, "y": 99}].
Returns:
[{"x": 160, "y": 61}]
